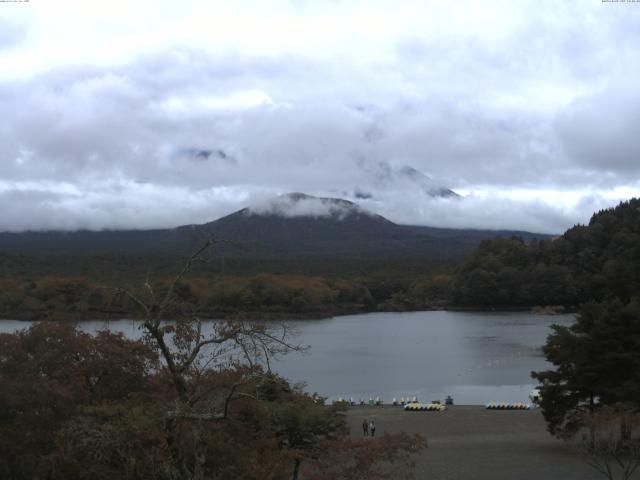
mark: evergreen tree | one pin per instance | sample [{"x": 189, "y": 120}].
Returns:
[{"x": 597, "y": 363}]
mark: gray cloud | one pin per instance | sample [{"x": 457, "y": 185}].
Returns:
[
  {"x": 504, "y": 108},
  {"x": 476, "y": 212},
  {"x": 602, "y": 131}
]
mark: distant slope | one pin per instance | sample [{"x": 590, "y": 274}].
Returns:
[
  {"x": 291, "y": 225},
  {"x": 85, "y": 241},
  {"x": 302, "y": 219}
]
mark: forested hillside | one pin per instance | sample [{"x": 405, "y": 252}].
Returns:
[
  {"x": 302, "y": 256},
  {"x": 586, "y": 263}
]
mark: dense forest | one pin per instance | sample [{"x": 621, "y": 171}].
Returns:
[
  {"x": 591, "y": 395},
  {"x": 587, "y": 262}
]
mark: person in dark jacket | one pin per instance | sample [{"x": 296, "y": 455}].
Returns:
[{"x": 365, "y": 428}]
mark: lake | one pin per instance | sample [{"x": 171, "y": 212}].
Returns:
[{"x": 475, "y": 357}]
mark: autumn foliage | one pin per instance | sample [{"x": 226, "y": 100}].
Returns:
[
  {"x": 48, "y": 374},
  {"x": 80, "y": 406}
]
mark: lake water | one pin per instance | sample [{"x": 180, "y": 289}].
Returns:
[{"x": 474, "y": 357}]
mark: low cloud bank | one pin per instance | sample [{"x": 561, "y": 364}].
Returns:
[
  {"x": 541, "y": 213},
  {"x": 131, "y": 205}
]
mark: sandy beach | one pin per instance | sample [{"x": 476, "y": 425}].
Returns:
[{"x": 470, "y": 442}]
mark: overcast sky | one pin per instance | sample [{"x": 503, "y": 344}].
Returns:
[{"x": 162, "y": 113}]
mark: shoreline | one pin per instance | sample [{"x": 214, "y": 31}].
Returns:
[{"x": 285, "y": 316}]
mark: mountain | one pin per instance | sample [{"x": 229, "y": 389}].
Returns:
[
  {"x": 297, "y": 219},
  {"x": 293, "y": 225},
  {"x": 385, "y": 176},
  {"x": 427, "y": 185},
  {"x": 296, "y": 223}
]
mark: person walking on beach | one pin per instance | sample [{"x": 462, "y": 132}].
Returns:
[
  {"x": 365, "y": 428},
  {"x": 372, "y": 428}
]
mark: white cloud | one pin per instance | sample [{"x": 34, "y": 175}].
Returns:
[
  {"x": 235, "y": 101},
  {"x": 214, "y": 105},
  {"x": 297, "y": 205}
]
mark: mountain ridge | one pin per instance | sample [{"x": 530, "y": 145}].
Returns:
[{"x": 291, "y": 224}]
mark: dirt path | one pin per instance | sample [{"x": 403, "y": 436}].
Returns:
[{"x": 469, "y": 443}]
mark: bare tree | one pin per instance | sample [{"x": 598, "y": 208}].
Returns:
[
  {"x": 609, "y": 439},
  {"x": 189, "y": 349}
]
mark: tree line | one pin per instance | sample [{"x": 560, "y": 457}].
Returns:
[
  {"x": 262, "y": 295},
  {"x": 587, "y": 263}
]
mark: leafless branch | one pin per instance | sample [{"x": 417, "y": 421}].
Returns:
[
  {"x": 610, "y": 437},
  {"x": 181, "y": 343}
]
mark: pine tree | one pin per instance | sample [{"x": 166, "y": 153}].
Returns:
[{"x": 597, "y": 363}]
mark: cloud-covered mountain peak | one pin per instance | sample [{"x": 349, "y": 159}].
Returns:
[
  {"x": 299, "y": 204},
  {"x": 386, "y": 177},
  {"x": 428, "y": 185}
]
